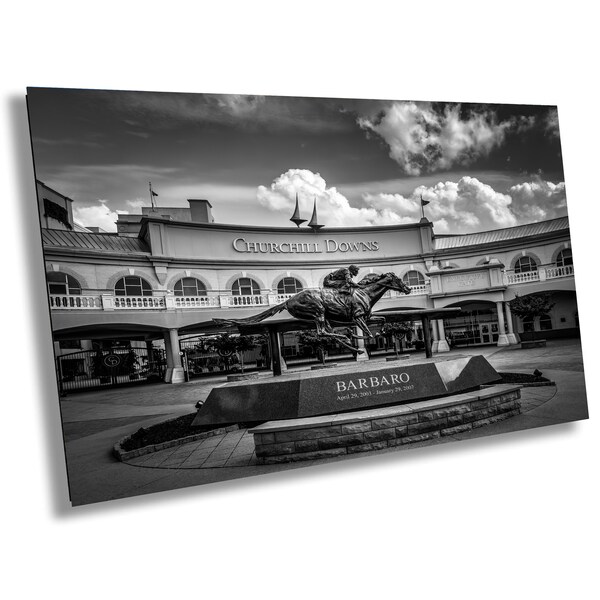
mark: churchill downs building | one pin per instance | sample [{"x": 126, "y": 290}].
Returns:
[{"x": 137, "y": 305}]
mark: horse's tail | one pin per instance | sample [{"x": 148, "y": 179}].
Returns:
[{"x": 255, "y": 318}]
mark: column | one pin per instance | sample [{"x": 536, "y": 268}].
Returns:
[
  {"x": 174, "y": 372},
  {"x": 275, "y": 351},
  {"x": 436, "y": 340},
  {"x": 513, "y": 338},
  {"x": 502, "y": 337},
  {"x": 150, "y": 351},
  {"x": 442, "y": 344},
  {"x": 360, "y": 344},
  {"x": 284, "y": 367},
  {"x": 426, "y": 336}
]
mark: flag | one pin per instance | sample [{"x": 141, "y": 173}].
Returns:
[
  {"x": 153, "y": 193},
  {"x": 424, "y": 202}
]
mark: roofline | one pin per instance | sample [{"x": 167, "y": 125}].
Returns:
[
  {"x": 454, "y": 235},
  {"x": 53, "y": 190},
  {"x": 146, "y": 219}
]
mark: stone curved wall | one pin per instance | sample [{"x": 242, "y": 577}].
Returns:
[{"x": 375, "y": 429}]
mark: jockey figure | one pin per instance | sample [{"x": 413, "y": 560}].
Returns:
[{"x": 341, "y": 279}]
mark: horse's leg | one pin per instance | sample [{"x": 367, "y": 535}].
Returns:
[
  {"x": 360, "y": 321},
  {"x": 341, "y": 339}
]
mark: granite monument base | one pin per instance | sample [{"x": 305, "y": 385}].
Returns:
[
  {"x": 310, "y": 393},
  {"x": 366, "y": 430}
]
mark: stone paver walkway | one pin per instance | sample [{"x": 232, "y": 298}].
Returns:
[
  {"x": 233, "y": 449},
  {"x": 236, "y": 448},
  {"x": 94, "y": 421}
]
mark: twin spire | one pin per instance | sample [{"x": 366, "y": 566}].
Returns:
[{"x": 313, "y": 223}]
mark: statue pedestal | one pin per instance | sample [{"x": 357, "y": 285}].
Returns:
[{"x": 347, "y": 388}]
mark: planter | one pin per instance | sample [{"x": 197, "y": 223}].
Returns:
[
  {"x": 533, "y": 344},
  {"x": 242, "y": 376}
]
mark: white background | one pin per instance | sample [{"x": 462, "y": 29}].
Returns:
[{"x": 505, "y": 517}]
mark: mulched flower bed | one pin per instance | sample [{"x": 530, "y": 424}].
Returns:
[
  {"x": 522, "y": 378},
  {"x": 168, "y": 431},
  {"x": 164, "y": 432}
]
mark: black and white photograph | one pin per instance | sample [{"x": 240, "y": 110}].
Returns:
[
  {"x": 244, "y": 284},
  {"x": 300, "y": 300}
]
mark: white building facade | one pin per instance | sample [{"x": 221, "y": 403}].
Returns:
[{"x": 167, "y": 273}]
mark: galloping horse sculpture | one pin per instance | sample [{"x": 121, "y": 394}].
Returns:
[{"x": 327, "y": 305}]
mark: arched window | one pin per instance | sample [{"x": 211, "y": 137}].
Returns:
[
  {"x": 413, "y": 278},
  {"x": 62, "y": 284},
  {"x": 189, "y": 286},
  {"x": 528, "y": 324},
  {"x": 289, "y": 285},
  {"x": 564, "y": 258},
  {"x": 132, "y": 285},
  {"x": 545, "y": 322},
  {"x": 525, "y": 264},
  {"x": 244, "y": 286}
]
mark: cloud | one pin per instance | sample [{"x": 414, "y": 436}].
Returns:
[
  {"x": 423, "y": 139},
  {"x": 462, "y": 206},
  {"x": 333, "y": 208},
  {"x": 99, "y": 215},
  {"x": 163, "y": 110},
  {"x": 539, "y": 200},
  {"x": 551, "y": 123},
  {"x": 467, "y": 205},
  {"x": 136, "y": 204}
]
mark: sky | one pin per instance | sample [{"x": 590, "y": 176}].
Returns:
[{"x": 366, "y": 162}]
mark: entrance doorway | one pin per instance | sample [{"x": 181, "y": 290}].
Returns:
[{"x": 476, "y": 325}]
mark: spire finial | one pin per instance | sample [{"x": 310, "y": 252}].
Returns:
[
  {"x": 314, "y": 224},
  {"x": 296, "y": 216}
]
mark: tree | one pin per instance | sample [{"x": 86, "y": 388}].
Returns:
[
  {"x": 315, "y": 343},
  {"x": 226, "y": 345},
  {"x": 397, "y": 331},
  {"x": 532, "y": 306}
]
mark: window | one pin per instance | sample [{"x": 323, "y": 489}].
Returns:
[
  {"x": 244, "y": 286},
  {"x": 525, "y": 264},
  {"x": 289, "y": 285},
  {"x": 564, "y": 258},
  {"x": 545, "y": 323},
  {"x": 528, "y": 324},
  {"x": 132, "y": 286},
  {"x": 413, "y": 278},
  {"x": 62, "y": 284},
  {"x": 189, "y": 286}
]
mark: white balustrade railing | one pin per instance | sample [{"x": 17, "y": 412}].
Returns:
[
  {"x": 250, "y": 300},
  {"x": 196, "y": 301},
  {"x": 415, "y": 290},
  {"x": 513, "y": 278},
  {"x": 139, "y": 302},
  {"x": 109, "y": 301},
  {"x": 279, "y": 298},
  {"x": 75, "y": 302},
  {"x": 541, "y": 274},
  {"x": 555, "y": 272}
]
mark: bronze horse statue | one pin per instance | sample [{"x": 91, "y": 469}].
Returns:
[{"x": 327, "y": 305}]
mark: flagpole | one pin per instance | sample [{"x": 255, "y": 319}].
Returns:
[
  {"x": 422, "y": 207},
  {"x": 151, "y": 195}
]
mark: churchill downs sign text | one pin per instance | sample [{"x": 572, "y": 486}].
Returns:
[{"x": 241, "y": 245}]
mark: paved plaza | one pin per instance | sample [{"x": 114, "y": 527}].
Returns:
[{"x": 94, "y": 421}]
